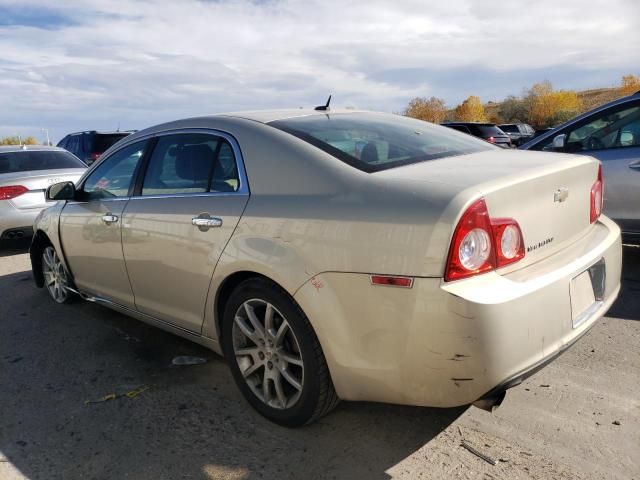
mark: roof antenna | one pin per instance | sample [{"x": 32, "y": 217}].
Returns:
[{"x": 324, "y": 108}]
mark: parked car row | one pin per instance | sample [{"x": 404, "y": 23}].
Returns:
[{"x": 508, "y": 135}]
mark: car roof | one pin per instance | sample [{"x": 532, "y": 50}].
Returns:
[
  {"x": 266, "y": 116},
  {"x": 29, "y": 148},
  {"x": 487, "y": 124},
  {"x": 95, "y": 132}
]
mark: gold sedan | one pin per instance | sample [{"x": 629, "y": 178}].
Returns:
[{"x": 340, "y": 254}]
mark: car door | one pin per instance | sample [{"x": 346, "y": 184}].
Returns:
[
  {"x": 187, "y": 204},
  {"x": 90, "y": 226}
]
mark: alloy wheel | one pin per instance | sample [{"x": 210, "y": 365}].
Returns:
[
  {"x": 55, "y": 275},
  {"x": 268, "y": 354}
]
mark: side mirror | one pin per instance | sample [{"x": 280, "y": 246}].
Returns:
[
  {"x": 61, "y": 191},
  {"x": 558, "y": 141}
]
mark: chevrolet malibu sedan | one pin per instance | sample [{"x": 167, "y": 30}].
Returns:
[{"x": 340, "y": 255}]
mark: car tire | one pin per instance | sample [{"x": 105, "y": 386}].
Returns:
[
  {"x": 56, "y": 278},
  {"x": 280, "y": 369}
]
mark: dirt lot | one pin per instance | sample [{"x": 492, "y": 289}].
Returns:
[{"x": 577, "y": 418}]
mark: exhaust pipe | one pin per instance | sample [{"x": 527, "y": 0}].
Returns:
[{"x": 489, "y": 404}]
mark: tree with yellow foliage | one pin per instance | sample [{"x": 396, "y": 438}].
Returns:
[
  {"x": 429, "y": 109},
  {"x": 548, "y": 107},
  {"x": 471, "y": 110},
  {"x": 18, "y": 141},
  {"x": 630, "y": 84}
]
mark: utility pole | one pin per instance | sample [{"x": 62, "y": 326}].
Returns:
[{"x": 46, "y": 131}]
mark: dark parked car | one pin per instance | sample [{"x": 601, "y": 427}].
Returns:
[
  {"x": 610, "y": 133},
  {"x": 518, "y": 132},
  {"x": 486, "y": 131},
  {"x": 88, "y": 146}
]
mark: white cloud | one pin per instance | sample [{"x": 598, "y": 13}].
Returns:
[{"x": 102, "y": 62}]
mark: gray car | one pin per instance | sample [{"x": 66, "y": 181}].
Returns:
[
  {"x": 25, "y": 173},
  {"x": 610, "y": 133}
]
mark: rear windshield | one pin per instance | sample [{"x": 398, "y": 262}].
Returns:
[
  {"x": 372, "y": 142},
  {"x": 25, "y": 161},
  {"x": 487, "y": 130},
  {"x": 509, "y": 128},
  {"x": 102, "y": 142}
]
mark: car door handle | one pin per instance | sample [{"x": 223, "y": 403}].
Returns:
[
  {"x": 206, "y": 222},
  {"x": 634, "y": 166},
  {"x": 109, "y": 218}
]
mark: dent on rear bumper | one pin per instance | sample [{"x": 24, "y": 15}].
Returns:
[{"x": 445, "y": 345}]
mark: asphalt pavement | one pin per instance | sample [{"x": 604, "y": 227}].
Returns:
[{"x": 577, "y": 418}]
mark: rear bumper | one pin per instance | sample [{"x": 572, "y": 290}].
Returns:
[
  {"x": 449, "y": 344},
  {"x": 14, "y": 220}
]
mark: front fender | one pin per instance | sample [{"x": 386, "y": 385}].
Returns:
[{"x": 46, "y": 228}]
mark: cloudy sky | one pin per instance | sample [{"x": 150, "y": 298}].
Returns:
[{"x": 96, "y": 64}]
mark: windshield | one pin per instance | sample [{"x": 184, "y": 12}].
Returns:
[
  {"x": 30, "y": 160},
  {"x": 488, "y": 130},
  {"x": 509, "y": 128},
  {"x": 374, "y": 141}
]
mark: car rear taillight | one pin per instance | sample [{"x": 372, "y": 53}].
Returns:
[
  {"x": 597, "y": 197},
  {"x": 12, "y": 191},
  {"x": 481, "y": 244},
  {"x": 491, "y": 140},
  {"x": 94, "y": 156}
]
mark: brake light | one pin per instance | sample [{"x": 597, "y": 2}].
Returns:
[
  {"x": 597, "y": 197},
  {"x": 481, "y": 244},
  {"x": 12, "y": 191},
  {"x": 491, "y": 140},
  {"x": 95, "y": 156}
]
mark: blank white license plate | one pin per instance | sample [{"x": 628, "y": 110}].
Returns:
[{"x": 582, "y": 297}]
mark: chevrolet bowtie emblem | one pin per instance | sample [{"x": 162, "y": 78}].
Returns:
[{"x": 561, "y": 194}]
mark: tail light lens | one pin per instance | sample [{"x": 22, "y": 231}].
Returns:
[
  {"x": 481, "y": 244},
  {"x": 94, "y": 156},
  {"x": 491, "y": 140},
  {"x": 12, "y": 191},
  {"x": 597, "y": 197}
]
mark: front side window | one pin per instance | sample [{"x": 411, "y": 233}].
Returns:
[
  {"x": 372, "y": 142},
  {"x": 191, "y": 163},
  {"x": 114, "y": 175},
  {"x": 610, "y": 129}
]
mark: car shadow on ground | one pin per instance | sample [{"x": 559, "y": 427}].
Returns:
[
  {"x": 14, "y": 247},
  {"x": 191, "y": 422},
  {"x": 628, "y": 304}
]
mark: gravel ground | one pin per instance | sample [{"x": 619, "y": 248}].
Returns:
[{"x": 577, "y": 418}]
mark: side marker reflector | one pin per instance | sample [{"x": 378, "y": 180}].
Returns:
[{"x": 391, "y": 281}]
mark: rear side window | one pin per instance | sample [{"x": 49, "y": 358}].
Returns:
[
  {"x": 26, "y": 161},
  {"x": 487, "y": 130},
  {"x": 509, "y": 128},
  {"x": 190, "y": 163},
  {"x": 372, "y": 142},
  {"x": 100, "y": 143}
]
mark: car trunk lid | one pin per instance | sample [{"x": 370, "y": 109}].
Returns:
[
  {"x": 547, "y": 194},
  {"x": 37, "y": 182}
]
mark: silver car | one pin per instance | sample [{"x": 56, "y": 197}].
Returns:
[
  {"x": 25, "y": 174},
  {"x": 610, "y": 133},
  {"x": 340, "y": 254}
]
